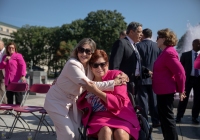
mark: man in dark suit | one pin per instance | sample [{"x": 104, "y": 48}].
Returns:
[
  {"x": 192, "y": 82},
  {"x": 124, "y": 55},
  {"x": 146, "y": 98}
]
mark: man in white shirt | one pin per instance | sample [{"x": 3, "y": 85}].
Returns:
[
  {"x": 2, "y": 85},
  {"x": 192, "y": 82}
]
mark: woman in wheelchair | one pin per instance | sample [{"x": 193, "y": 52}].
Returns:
[{"x": 109, "y": 115}]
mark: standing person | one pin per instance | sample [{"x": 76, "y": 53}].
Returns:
[
  {"x": 2, "y": 72},
  {"x": 15, "y": 70},
  {"x": 192, "y": 82},
  {"x": 124, "y": 55},
  {"x": 146, "y": 98},
  {"x": 122, "y": 34},
  {"x": 168, "y": 78},
  {"x": 60, "y": 102}
]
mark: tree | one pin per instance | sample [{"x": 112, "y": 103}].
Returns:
[
  {"x": 63, "y": 53},
  {"x": 103, "y": 27},
  {"x": 31, "y": 43},
  {"x": 73, "y": 31}
]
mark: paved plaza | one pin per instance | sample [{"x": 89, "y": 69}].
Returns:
[{"x": 186, "y": 130}]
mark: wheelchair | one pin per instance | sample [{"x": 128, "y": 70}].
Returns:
[{"x": 146, "y": 129}]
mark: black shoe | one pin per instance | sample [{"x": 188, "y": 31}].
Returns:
[
  {"x": 195, "y": 121},
  {"x": 156, "y": 125},
  {"x": 178, "y": 120}
]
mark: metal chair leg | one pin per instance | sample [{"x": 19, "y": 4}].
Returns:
[
  {"x": 39, "y": 126},
  {"x": 42, "y": 122},
  {"x": 49, "y": 126},
  {"x": 4, "y": 122},
  {"x": 13, "y": 126}
]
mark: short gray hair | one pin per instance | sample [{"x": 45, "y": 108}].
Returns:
[
  {"x": 133, "y": 26},
  {"x": 89, "y": 41}
]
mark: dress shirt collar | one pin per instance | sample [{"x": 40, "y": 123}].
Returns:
[
  {"x": 195, "y": 52},
  {"x": 132, "y": 42},
  {"x": 2, "y": 50}
]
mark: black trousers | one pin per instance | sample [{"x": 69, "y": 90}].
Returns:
[
  {"x": 192, "y": 83},
  {"x": 147, "y": 100},
  {"x": 165, "y": 111},
  {"x": 18, "y": 97}
]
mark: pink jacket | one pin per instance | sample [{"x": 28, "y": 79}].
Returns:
[
  {"x": 168, "y": 73},
  {"x": 15, "y": 68},
  {"x": 197, "y": 63},
  {"x": 118, "y": 102}
]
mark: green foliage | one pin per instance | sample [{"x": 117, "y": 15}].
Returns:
[{"x": 103, "y": 27}]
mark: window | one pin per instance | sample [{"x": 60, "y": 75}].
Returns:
[
  {"x": 7, "y": 30},
  {"x": 1, "y": 29}
]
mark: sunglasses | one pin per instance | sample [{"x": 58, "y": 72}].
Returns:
[
  {"x": 96, "y": 65},
  {"x": 82, "y": 50}
]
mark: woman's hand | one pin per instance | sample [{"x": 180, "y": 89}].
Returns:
[
  {"x": 120, "y": 79},
  {"x": 151, "y": 74},
  {"x": 7, "y": 58},
  {"x": 23, "y": 79},
  {"x": 54, "y": 81},
  {"x": 182, "y": 96}
]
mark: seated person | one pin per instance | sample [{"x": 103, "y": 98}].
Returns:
[{"x": 109, "y": 114}]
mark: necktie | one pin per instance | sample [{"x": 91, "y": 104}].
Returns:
[
  {"x": 196, "y": 71},
  {"x": 138, "y": 57}
]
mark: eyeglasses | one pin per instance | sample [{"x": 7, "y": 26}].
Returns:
[
  {"x": 159, "y": 37},
  {"x": 82, "y": 50},
  {"x": 96, "y": 65}
]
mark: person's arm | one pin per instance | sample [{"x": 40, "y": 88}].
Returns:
[
  {"x": 3, "y": 62},
  {"x": 116, "y": 55},
  {"x": 74, "y": 72},
  {"x": 182, "y": 59},
  {"x": 173, "y": 64},
  {"x": 197, "y": 63},
  {"x": 114, "y": 101},
  {"x": 22, "y": 67}
]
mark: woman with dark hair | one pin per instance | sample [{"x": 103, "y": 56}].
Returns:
[
  {"x": 15, "y": 70},
  {"x": 109, "y": 115},
  {"x": 168, "y": 78}
]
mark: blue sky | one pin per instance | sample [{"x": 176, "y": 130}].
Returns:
[{"x": 154, "y": 14}]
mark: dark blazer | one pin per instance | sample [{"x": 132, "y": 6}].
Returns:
[
  {"x": 186, "y": 61},
  {"x": 123, "y": 58},
  {"x": 149, "y": 52}
]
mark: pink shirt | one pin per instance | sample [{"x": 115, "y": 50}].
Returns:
[
  {"x": 15, "y": 68},
  {"x": 168, "y": 73}
]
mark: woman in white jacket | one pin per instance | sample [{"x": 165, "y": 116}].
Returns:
[{"x": 60, "y": 102}]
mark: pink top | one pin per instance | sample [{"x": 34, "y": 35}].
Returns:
[
  {"x": 119, "y": 114},
  {"x": 197, "y": 63},
  {"x": 15, "y": 68},
  {"x": 168, "y": 73}
]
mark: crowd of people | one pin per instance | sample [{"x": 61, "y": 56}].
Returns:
[{"x": 92, "y": 88}]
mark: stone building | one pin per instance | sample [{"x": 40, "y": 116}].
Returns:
[{"x": 6, "y": 30}]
